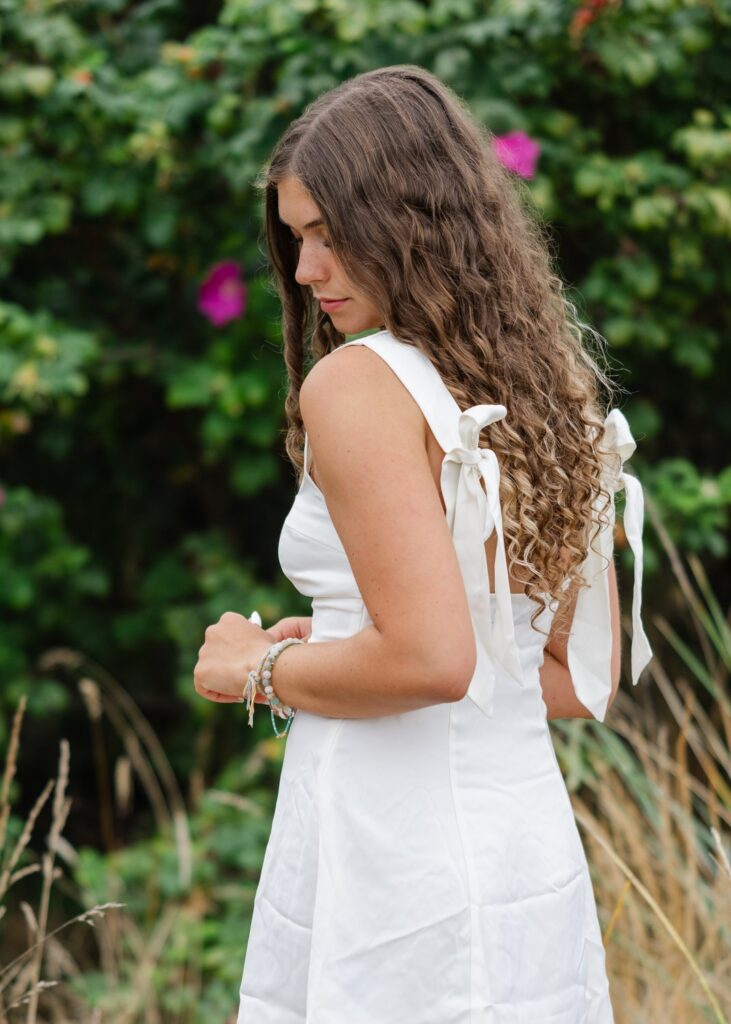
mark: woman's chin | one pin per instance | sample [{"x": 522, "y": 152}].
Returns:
[{"x": 351, "y": 323}]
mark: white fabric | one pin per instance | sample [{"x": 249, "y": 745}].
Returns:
[
  {"x": 472, "y": 515},
  {"x": 589, "y": 646},
  {"x": 426, "y": 867}
]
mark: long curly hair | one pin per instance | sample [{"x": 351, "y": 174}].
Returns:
[{"x": 448, "y": 244}]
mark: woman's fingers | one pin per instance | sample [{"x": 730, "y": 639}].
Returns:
[
  {"x": 219, "y": 698},
  {"x": 299, "y": 626}
]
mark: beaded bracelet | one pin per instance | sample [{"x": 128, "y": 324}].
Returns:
[{"x": 260, "y": 681}]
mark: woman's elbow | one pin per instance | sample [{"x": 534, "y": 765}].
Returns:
[{"x": 453, "y": 681}]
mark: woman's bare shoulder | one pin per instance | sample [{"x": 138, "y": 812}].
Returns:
[{"x": 359, "y": 379}]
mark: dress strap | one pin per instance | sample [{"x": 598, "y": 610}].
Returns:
[
  {"x": 589, "y": 646},
  {"x": 472, "y": 515},
  {"x": 421, "y": 378}
]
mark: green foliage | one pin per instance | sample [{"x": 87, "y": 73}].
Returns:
[
  {"x": 694, "y": 504},
  {"x": 47, "y": 581},
  {"x": 130, "y": 138},
  {"x": 41, "y": 361},
  {"x": 144, "y": 483},
  {"x": 197, "y": 928}
]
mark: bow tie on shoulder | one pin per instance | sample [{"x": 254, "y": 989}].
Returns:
[
  {"x": 472, "y": 514},
  {"x": 589, "y": 647}
]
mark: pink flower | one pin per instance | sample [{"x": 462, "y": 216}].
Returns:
[
  {"x": 222, "y": 295},
  {"x": 518, "y": 152}
]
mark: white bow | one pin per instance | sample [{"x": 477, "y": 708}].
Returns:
[
  {"x": 589, "y": 646},
  {"x": 472, "y": 515}
]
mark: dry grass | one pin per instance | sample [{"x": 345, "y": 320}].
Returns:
[
  {"x": 20, "y": 980},
  {"x": 651, "y": 794}
]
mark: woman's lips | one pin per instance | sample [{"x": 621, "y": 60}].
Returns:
[{"x": 329, "y": 307}]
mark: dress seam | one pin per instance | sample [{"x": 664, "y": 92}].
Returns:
[
  {"x": 309, "y": 537},
  {"x": 467, "y": 862},
  {"x": 324, "y": 765}
]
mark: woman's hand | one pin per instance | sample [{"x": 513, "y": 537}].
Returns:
[{"x": 233, "y": 647}]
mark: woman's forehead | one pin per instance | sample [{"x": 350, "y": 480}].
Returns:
[{"x": 296, "y": 206}]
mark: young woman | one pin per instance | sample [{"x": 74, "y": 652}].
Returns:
[{"x": 454, "y": 529}]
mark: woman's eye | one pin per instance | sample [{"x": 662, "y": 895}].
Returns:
[{"x": 298, "y": 241}]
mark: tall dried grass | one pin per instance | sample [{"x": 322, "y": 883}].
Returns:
[
  {"x": 650, "y": 789},
  {"x": 20, "y": 980}
]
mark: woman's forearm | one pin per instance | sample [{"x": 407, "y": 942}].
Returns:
[
  {"x": 558, "y": 691},
  {"x": 362, "y": 676}
]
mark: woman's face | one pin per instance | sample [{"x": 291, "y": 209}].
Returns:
[{"x": 317, "y": 265}]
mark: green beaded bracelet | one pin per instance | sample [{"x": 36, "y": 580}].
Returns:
[{"x": 260, "y": 681}]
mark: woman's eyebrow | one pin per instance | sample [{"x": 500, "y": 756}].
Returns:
[{"x": 312, "y": 224}]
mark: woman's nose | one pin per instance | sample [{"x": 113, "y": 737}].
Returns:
[{"x": 311, "y": 266}]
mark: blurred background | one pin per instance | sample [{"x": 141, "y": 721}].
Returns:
[{"x": 143, "y": 480}]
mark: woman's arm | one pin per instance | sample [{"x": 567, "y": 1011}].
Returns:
[
  {"x": 368, "y": 437},
  {"x": 558, "y": 687},
  {"x": 558, "y": 691},
  {"x": 362, "y": 676}
]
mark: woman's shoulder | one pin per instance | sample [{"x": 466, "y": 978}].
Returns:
[
  {"x": 392, "y": 374},
  {"x": 342, "y": 368},
  {"x": 356, "y": 381}
]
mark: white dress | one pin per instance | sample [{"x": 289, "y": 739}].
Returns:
[{"x": 426, "y": 867}]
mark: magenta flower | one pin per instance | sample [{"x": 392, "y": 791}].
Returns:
[
  {"x": 518, "y": 152},
  {"x": 222, "y": 295}
]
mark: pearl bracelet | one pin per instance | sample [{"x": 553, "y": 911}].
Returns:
[{"x": 260, "y": 681}]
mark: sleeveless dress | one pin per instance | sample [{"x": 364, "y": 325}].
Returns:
[{"x": 426, "y": 867}]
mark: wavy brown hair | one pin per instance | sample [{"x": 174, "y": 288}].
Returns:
[{"x": 444, "y": 240}]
